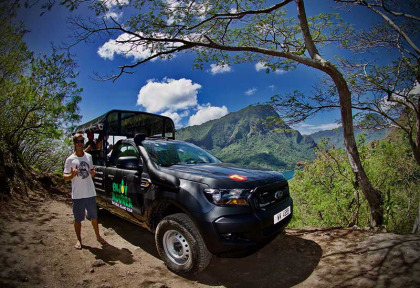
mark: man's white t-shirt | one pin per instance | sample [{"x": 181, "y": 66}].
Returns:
[{"x": 82, "y": 185}]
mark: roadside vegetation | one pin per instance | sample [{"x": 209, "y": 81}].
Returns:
[
  {"x": 38, "y": 102},
  {"x": 325, "y": 193}
]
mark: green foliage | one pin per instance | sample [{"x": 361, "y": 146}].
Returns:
[
  {"x": 325, "y": 192},
  {"x": 393, "y": 170},
  {"x": 38, "y": 97}
]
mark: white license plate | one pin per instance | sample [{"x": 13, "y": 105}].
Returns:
[{"x": 281, "y": 215}]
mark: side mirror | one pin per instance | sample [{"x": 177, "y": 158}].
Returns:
[{"x": 129, "y": 163}]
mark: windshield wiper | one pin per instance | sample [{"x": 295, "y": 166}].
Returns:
[
  {"x": 168, "y": 164},
  {"x": 195, "y": 162}
]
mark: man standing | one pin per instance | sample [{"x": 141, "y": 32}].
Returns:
[{"x": 79, "y": 169}]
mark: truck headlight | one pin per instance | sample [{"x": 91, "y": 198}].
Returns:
[{"x": 228, "y": 196}]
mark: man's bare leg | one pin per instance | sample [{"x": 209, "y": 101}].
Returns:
[
  {"x": 78, "y": 230},
  {"x": 96, "y": 228}
]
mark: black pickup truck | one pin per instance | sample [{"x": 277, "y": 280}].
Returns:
[{"x": 196, "y": 205}]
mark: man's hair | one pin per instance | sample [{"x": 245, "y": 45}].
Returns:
[{"x": 78, "y": 135}]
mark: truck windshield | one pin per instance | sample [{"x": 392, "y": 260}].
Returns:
[{"x": 168, "y": 153}]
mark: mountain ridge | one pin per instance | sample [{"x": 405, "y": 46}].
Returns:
[
  {"x": 336, "y": 138},
  {"x": 254, "y": 136}
]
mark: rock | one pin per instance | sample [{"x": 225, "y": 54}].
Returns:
[
  {"x": 159, "y": 285},
  {"x": 98, "y": 263},
  {"x": 109, "y": 231}
]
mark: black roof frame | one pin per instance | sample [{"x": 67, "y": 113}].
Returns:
[{"x": 101, "y": 124}]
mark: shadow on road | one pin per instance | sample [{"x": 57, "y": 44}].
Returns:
[
  {"x": 110, "y": 254},
  {"x": 285, "y": 262},
  {"x": 132, "y": 233}
]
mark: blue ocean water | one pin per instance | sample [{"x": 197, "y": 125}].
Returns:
[{"x": 289, "y": 174}]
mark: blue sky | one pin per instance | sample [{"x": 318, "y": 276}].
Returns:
[{"x": 172, "y": 87}]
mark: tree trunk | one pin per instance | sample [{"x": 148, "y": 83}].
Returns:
[
  {"x": 416, "y": 148},
  {"x": 416, "y": 227},
  {"x": 373, "y": 196}
]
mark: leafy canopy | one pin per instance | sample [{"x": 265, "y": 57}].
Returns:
[
  {"x": 38, "y": 95},
  {"x": 223, "y": 32}
]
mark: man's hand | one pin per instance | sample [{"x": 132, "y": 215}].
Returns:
[
  {"x": 74, "y": 172},
  {"x": 93, "y": 172}
]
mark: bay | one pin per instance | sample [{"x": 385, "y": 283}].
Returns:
[{"x": 289, "y": 174}]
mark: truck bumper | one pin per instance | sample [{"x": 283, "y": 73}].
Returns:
[{"x": 241, "y": 235}]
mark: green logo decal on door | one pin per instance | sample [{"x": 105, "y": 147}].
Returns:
[{"x": 120, "y": 198}]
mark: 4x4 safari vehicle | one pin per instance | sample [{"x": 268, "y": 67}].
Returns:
[{"x": 195, "y": 204}]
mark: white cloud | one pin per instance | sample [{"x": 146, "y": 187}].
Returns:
[
  {"x": 113, "y": 15},
  {"x": 206, "y": 113},
  {"x": 386, "y": 105},
  {"x": 416, "y": 89},
  {"x": 122, "y": 47},
  {"x": 306, "y": 129},
  {"x": 250, "y": 91},
  {"x": 176, "y": 117},
  {"x": 113, "y": 3},
  {"x": 169, "y": 94},
  {"x": 129, "y": 45},
  {"x": 219, "y": 69},
  {"x": 262, "y": 66},
  {"x": 280, "y": 71},
  {"x": 177, "y": 99},
  {"x": 177, "y": 10}
]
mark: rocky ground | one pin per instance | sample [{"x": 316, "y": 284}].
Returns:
[{"x": 37, "y": 250}]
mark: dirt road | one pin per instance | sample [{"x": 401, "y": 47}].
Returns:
[{"x": 37, "y": 239}]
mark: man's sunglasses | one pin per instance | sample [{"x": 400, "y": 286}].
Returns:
[{"x": 79, "y": 141}]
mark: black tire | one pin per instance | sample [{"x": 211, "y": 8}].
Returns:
[{"x": 181, "y": 246}]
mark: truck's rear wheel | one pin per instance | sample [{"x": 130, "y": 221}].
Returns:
[{"x": 181, "y": 246}]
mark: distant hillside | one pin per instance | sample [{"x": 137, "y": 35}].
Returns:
[
  {"x": 245, "y": 138},
  {"x": 336, "y": 136}
]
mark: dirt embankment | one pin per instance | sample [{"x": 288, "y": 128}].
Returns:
[{"x": 37, "y": 239}]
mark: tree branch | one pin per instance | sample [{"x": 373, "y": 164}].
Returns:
[
  {"x": 387, "y": 19},
  {"x": 242, "y": 14}
]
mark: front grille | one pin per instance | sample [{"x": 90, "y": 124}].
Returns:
[{"x": 266, "y": 196}]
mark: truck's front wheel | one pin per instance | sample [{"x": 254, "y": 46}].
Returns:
[{"x": 181, "y": 246}]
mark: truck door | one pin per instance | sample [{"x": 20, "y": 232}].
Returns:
[
  {"x": 126, "y": 197},
  {"x": 99, "y": 181}
]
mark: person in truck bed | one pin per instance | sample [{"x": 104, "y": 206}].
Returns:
[
  {"x": 90, "y": 144},
  {"x": 99, "y": 144},
  {"x": 79, "y": 170}
]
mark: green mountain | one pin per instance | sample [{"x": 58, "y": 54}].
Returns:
[
  {"x": 252, "y": 137},
  {"x": 336, "y": 139}
]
